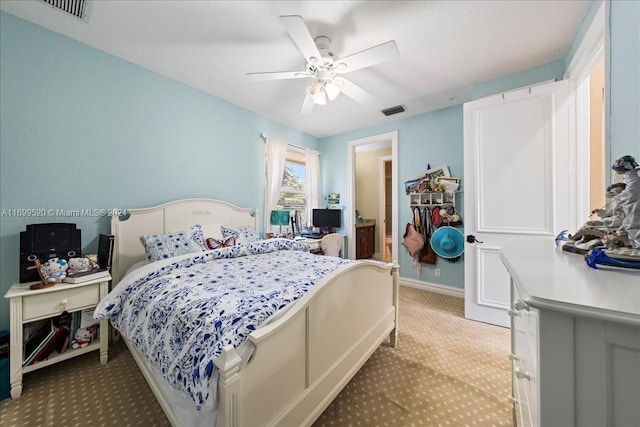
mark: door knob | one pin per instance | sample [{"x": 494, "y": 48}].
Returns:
[{"x": 472, "y": 239}]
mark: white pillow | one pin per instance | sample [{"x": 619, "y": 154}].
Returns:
[
  {"x": 212, "y": 231},
  {"x": 136, "y": 266},
  {"x": 243, "y": 235}
]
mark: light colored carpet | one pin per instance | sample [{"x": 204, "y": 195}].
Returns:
[
  {"x": 80, "y": 392},
  {"x": 446, "y": 371}
]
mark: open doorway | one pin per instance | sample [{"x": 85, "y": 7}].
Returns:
[
  {"x": 357, "y": 198},
  {"x": 590, "y": 156},
  {"x": 597, "y": 155},
  {"x": 370, "y": 200},
  {"x": 385, "y": 237}
]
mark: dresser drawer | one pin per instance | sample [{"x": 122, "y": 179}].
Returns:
[
  {"x": 525, "y": 344},
  {"x": 523, "y": 407},
  {"x": 526, "y": 338},
  {"x": 52, "y": 303}
]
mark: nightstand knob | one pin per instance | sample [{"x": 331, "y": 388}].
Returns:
[{"x": 63, "y": 303}]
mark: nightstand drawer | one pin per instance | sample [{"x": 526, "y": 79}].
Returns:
[{"x": 52, "y": 303}]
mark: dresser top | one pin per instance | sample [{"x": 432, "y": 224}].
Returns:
[{"x": 548, "y": 277}]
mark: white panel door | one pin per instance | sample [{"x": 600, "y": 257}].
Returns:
[{"x": 516, "y": 170}]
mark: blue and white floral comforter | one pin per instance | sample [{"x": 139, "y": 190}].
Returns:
[{"x": 181, "y": 314}]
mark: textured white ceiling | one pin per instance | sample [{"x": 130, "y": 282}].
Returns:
[{"x": 445, "y": 48}]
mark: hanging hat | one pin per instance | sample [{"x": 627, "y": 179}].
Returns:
[{"x": 448, "y": 242}]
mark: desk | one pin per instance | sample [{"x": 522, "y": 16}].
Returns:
[{"x": 314, "y": 244}]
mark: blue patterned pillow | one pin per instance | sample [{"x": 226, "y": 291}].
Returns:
[
  {"x": 162, "y": 246},
  {"x": 243, "y": 235}
]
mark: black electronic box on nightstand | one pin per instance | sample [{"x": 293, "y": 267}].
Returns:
[{"x": 45, "y": 241}]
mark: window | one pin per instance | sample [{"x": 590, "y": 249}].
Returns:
[{"x": 293, "y": 192}]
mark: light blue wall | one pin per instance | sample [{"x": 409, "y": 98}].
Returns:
[
  {"x": 83, "y": 129},
  {"x": 624, "y": 83},
  {"x": 427, "y": 139}
]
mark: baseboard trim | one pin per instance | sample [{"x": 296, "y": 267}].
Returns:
[{"x": 433, "y": 287}]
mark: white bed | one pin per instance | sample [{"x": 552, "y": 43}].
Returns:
[{"x": 301, "y": 359}]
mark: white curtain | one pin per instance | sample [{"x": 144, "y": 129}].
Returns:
[
  {"x": 314, "y": 198},
  {"x": 276, "y": 151}
]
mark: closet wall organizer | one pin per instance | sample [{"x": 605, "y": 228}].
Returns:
[{"x": 433, "y": 209}]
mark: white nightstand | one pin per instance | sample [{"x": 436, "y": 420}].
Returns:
[{"x": 31, "y": 305}]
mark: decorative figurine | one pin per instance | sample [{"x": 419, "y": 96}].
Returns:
[{"x": 628, "y": 200}]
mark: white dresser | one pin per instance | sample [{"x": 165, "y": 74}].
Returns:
[{"x": 575, "y": 338}]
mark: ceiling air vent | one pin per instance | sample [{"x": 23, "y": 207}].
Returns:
[
  {"x": 72, "y": 7},
  {"x": 393, "y": 110}
]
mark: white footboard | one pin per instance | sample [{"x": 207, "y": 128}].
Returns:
[{"x": 303, "y": 360}]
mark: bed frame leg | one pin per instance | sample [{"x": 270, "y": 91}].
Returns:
[
  {"x": 393, "y": 337},
  {"x": 228, "y": 364}
]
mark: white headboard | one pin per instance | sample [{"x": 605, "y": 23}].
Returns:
[{"x": 171, "y": 216}]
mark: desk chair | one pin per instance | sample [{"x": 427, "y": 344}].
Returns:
[{"x": 331, "y": 244}]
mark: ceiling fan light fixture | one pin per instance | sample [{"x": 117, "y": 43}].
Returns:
[
  {"x": 317, "y": 93},
  {"x": 321, "y": 99},
  {"x": 332, "y": 90},
  {"x": 314, "y": 89}
]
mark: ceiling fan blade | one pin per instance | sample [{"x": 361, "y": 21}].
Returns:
[
  {"x": 353, "y": 91},
  {"x": 301, "y": 36},
  {"x": 307, "y": 105},
  {"x": 375, "y": 55},
  {"x": 279, "y": 75}
]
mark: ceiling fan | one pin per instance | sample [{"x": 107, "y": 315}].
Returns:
[{"x": 325, "y": 67}]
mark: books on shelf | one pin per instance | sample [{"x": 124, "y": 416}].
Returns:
[
  {"x": 63, "y": 321},
  {"x": 49, "y": 345},
  {"x": 55, "y": 334},
  {"x": 37, "y": 340},
  {"x": 84, "y": 276},
  {"x": 40, "y": 345},
  {"x": 86, "y": 318}
]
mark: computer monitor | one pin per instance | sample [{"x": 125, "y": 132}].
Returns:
[{"x": 327, "y": 219}]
